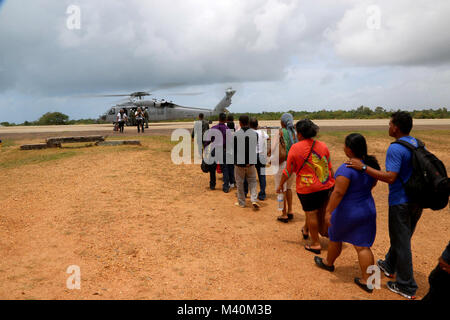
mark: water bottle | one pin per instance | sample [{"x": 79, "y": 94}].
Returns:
[{"x": 280, "y": 200}]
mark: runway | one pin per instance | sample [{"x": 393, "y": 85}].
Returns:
[{"x": 165, "y": 128}]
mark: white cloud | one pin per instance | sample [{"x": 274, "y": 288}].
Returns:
[
  {"x": 143, "y": 43},
  {"x": 411, "y": 33},
  {"x": 277, "y": 53}
]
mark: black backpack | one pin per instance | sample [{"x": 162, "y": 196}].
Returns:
[{"x": 429, "y": 185}]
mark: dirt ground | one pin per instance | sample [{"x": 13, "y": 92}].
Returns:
[{"x": 140, "y": 227}]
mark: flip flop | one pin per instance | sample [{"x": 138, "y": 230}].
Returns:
[
  {"x": 363, "y": 286},
  {"x": 290, "y": 216},
  {"x": 281, "y": 219},
  {"x": 316, "y": 251},
  {"x": 320, "y": 264}
]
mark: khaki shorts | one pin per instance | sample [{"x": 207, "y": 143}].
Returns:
[{"x": 290, "y": 183}]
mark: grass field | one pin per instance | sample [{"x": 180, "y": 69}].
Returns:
[{"x": 141, "y": 227}]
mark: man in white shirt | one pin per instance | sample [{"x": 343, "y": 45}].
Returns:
[
  {"x": 121, "y": 119},
  {"x": 261, "y": 150}
]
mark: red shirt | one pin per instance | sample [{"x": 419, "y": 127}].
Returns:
[{"x": 316, "y": 173}]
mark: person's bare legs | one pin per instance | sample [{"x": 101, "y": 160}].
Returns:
[
  {"x": 289, "y": 200},
  {"x": 334, "y": 251},
  {"x": 366, "y": 259},
  {"x": 313, "y": 227},
  {"x": 284, "y": 212}
]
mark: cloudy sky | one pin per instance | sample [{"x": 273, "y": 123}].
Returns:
[{"x": 278, "y": 54}]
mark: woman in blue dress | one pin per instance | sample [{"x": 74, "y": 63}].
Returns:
[{"x": 351, "y": 211}]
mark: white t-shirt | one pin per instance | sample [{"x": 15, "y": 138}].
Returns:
[
  {"x": 261, "y": 147},
  {"x": 139, "y": 116},
  {"x": 119, "y": 115}
]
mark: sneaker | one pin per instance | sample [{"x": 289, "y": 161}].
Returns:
[
  {"x": 255, "y": 205},
  {"x": 393, "y": 286},
  {"x": 382, "y": 265},
  {"x": 237, "y": 204}
]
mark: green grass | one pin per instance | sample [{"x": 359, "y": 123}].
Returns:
[
  {"x": 16, "y": 160},
  {"x": 12, "y": 157},
  {"x": 7, "y": 144}
]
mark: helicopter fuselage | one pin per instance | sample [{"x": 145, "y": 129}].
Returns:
[
  {"x": 166, "y": 110},
  {"x": 159, "y": 113}
]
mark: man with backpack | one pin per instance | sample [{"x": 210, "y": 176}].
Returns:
[
  {"x": 200, "y": 127},
  {"x": 405, "y": 163}
]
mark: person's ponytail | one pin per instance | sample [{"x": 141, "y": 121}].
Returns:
[{"x": 371, "y": 161}]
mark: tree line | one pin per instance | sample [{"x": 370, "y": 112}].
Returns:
[
  {"x": 57, "y": 118},
  {"x": 54, "y": 118},
  {"x": 359, "y": 113}
]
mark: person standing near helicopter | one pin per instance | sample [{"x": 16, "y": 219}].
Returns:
[
  {"x": 121, "y": 119},
  {"x": 146, "y": 117},
  {"x": 140, "y": 120}
]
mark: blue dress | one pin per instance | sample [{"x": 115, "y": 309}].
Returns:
[{"x": 354, "y": 220}]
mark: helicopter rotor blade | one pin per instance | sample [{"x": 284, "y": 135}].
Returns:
[
  {"x": 103, "y": 95},
  {"x": 185, "y": 93},
  {"x": 123, "y": 101}
]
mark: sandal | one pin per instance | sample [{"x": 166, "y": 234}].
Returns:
[
  {"x": 305, "y": 236},
  {"x": 281, "y": 219},
  {"x": 320, "y": 264},
  {"x": 290, "y": 216},
  {"x": 316, "y": 251},
  {"x": 362, "y": 285}
]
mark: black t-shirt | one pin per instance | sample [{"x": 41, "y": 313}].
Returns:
[{"x": 249, "y": 148}]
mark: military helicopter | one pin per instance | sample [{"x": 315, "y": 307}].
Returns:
[{"x": 162, "y": 110}]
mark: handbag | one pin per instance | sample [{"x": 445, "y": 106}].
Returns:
[
  {"x": 204, "y": 166},
  {"x": 323, "y": 227},
  {"x": 207, "y": 155}
]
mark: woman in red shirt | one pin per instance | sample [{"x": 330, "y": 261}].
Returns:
[{"x": 309, "y": 159}]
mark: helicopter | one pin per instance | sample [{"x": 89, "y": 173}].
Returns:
[{"x": 162, "y": 110}]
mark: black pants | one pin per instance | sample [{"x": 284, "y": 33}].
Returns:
[
  {"x": 439, "y": 286},
  {"x": 140, "y": 124},
  {"x": 121, "y": 125},
  {"x": 403, "y": 219}
]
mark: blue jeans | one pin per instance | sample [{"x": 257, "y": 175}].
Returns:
[
  {"x": 228, "y": 176},
  {"x": 403, "y": 219}
]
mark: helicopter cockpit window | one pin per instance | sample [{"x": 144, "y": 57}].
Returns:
[{"x": 112, "y": 111}]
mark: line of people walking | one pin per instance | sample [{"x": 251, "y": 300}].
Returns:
[{"x": 338, "y": 205}]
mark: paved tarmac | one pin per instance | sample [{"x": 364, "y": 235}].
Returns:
[{"x": 165, "y": 128}]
